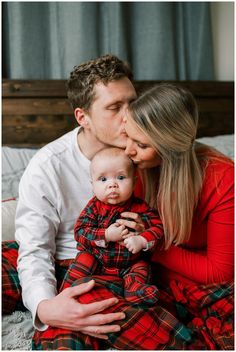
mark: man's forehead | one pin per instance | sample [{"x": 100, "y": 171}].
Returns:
[{"x": 116, "y": 90}]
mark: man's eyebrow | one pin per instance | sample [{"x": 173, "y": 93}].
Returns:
[{"x": 117, "y": 102}]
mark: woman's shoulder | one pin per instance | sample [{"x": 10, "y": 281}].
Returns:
[
  {"x": 218, "y": 164},
  {"x": 218, "y": 171},
  {"x": 212, "y": 160}
]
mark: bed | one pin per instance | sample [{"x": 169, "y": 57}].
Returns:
[{"x": 36, "y": 112}]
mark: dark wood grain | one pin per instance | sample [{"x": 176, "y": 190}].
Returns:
[{"x": 35, "y": 112}]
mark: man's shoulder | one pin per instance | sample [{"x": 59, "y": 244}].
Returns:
[{"x": 56, "y": 149}]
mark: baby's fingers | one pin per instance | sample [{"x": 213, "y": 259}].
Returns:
[{"x": 124, "y": 233}]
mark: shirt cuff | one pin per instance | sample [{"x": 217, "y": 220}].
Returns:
[
  {"x": 36, "y": 296},
  {"x": 149, "y": 245}
]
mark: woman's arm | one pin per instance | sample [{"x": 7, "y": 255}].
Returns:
[{"x": 216, "y": 262}]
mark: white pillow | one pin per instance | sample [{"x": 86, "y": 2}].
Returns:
[
  {"x": 223, "y": 143},
  {"x": 14, "y": 162},
  {"x": 8, "y": 219}
]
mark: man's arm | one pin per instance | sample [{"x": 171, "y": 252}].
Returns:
[
  {"x": 37, "y": 223},
  {"x": 64, "y": 311}
]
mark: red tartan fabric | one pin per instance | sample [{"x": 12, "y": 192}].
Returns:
[
  {"x": 187, "y": 317},
  {"x": 98, "y": 257},
  {"x": 11, "y": 289},
  {"x": 203, "y": 320},
  {"x": 98, "y": 216},
  {"x": 136, "y": 278}
]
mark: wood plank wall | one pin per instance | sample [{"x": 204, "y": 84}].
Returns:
[{"x": 35, "y": 112}]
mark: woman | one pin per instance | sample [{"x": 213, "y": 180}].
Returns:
[{"x": 191, "y": 185}]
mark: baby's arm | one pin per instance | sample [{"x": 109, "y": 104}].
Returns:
[
  {"x": 150, "y": 237},
  {"x": 115, "y": 232},
  {"x": 135, "y": 243},
  {"x": 89, "y": 232}
]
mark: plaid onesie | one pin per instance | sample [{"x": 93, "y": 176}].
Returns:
[{"x": 96, "y": 256}]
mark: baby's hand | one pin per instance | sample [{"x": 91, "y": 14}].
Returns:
[
  {"x": 115, "y": 232},
  {"x": 135, "y": 243}
]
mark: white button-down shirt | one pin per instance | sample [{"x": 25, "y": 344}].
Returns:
[{"x": 53, "y": 190}]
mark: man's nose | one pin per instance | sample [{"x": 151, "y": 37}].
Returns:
[{"x": 123, "y": 113}]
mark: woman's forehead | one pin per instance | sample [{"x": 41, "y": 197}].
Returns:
[{"x": 133, "y": 130}]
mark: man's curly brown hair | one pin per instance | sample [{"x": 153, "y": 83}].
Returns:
[{"x": 80, "y": 86}]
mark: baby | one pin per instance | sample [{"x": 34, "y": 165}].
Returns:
[{"x": 106, "y": 247}]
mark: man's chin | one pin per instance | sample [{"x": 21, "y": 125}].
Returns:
[
  {"x": 117, "y": 144},
  {"x": 120, "y": 142}
]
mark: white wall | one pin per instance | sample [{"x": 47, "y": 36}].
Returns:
[{"x": 222, "y": 16}]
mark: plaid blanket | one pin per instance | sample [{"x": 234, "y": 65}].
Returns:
[{"x": 197, "y": 318}]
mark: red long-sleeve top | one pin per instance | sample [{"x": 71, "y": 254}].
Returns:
[{"x": 208, "y": 256}]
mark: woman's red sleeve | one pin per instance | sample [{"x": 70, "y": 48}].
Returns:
[{"x": 216, "y": 262}]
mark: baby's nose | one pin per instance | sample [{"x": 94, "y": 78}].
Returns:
[{"x": 113, "y": 184}]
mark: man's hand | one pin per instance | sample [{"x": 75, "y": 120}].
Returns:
[
  {"x": 64, "y": 311},
  {"x": 115, "y": 232},
  {"x": 135, "y": 243}
]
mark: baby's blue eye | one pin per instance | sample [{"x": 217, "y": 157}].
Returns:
[
  {"x": 121, "y": 177},
  {"x": 103, "y": 179}
]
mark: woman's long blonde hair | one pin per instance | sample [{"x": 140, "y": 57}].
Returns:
[{"x": 168, "y": 116}]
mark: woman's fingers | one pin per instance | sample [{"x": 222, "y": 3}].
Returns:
[
  {"x": 139, "y": 227},
  {"x": 130, "y": 215},
  {"x": 131, "y": 220}
]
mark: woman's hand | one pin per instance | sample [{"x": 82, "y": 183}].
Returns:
[
  {"x": 64, "y": 311},
  {"x": 132, "y": 221}
]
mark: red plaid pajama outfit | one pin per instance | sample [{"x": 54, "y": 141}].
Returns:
[{"x": 95, "y": 256}]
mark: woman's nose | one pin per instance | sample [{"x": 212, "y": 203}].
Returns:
[{"x": 129, "y": 150}]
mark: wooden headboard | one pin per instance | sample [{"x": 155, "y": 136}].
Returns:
[{"x": 36, "y": 112}]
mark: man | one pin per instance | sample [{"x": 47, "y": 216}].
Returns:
[{"x": 55, "y": 188}]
